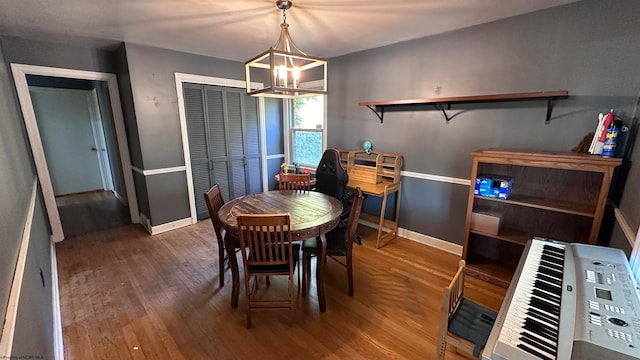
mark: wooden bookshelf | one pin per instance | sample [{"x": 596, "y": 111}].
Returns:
[{"x": 554, "y": 195}]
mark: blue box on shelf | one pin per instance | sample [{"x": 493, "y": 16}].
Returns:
[{"x": 493, "y": 186}]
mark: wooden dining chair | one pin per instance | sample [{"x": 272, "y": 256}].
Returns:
[
  {"x": 464, "y": 325},
  {"x": 339, "y": 244},
  {"x": 300, "y": 182},
  {"x": 213, "y": 199},
  {"x": 269, "y": 253}
]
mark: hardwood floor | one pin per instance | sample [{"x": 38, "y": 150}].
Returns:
[
  {"x": 126, "y": 294},
  {"x": 84, "y": 213}
]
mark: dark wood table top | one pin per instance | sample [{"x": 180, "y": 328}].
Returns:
[{"x": 312, "y": 213}]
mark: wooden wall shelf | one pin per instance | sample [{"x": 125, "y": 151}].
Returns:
[{"x": 378, "y": 107}]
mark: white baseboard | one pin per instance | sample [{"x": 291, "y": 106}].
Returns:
[
  {"x": 154, "y": 230},
  {"x": 423, "y": 239},
  {"x": 170, "y": 226},
  {"x": 58, "y": 344},
  {"x": 431, "y": 241}
]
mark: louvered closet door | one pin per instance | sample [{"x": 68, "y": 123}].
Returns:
[
  {"x": 243, "y": 141},
  {"x": 252, "y": 142},
  {"x": 223, "y": 140},
  {"x": 198, "y": 145},
  {"x": 218, "y": 143}
]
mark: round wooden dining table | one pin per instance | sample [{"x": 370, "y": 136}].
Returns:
[{"x": 313, "y": 214}]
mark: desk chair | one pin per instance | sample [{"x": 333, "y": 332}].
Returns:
[
  {"x": 300, "y": 182},
  {"x": 332, "y": 179},
  {"x": 339, "y": 243},
  {"x": 213, "y": 199},
  {"x": 464, "y": 324},
  {"x": 269, "y": 253}
]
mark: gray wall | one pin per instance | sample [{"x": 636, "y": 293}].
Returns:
[
  {"x": 34, "y": 52},
  {"x": 34, "y": 327},
  {"x": 629, "y": 204},
  {"x": 589, "y": 48},
  {"x": 152, "y": 78},
  {"x": 16, "y": 183}
]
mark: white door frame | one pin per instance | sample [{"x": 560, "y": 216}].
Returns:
[
  {"x": 182, "y": 78},
  {"x": 97, "y": 126},
  {"x": 20, "y": 72}
]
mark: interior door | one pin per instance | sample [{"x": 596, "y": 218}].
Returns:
[
  {"x": 223, "y": 133},
  {"x": 64, "y": 123}
]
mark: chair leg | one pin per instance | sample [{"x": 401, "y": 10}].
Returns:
[
  {"x": 221, "y": 262},
  {"x": 350, "y": 274},
  {"x": 303, "y": 269},
  {"x": 291, "y": 299},
  {"x": 248, "y": 299}
]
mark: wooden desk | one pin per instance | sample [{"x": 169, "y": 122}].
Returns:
[
  {"x": 377, "y": 174},
  {"x": 312, "y": 214}
]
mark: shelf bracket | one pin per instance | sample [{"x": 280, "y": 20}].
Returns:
[
  {"x": 549, "y": 109},
  {"x": 380, "y": 114},
  {"x": 444, "y": 112}
]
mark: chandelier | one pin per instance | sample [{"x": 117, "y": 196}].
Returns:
[{"x": 286, "y": 71}]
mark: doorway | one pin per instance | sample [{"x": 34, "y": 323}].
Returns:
[
  {"x": 82, "y": 160},
  {"x": 20, "y": 75}
]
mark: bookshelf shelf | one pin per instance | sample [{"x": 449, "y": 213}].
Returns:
[{"x": 554, "y": 195}]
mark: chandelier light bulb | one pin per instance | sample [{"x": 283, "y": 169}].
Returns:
[{"x": 296, "y": 75}]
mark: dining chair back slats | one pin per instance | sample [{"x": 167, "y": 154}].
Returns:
[
  {"x": 268, "y": 252},
  {"x": 300, "y": 182}
]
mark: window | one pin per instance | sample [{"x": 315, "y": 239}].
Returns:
[{"x": 307, "y": 131}]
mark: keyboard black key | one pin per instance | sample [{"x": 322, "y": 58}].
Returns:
[
  {"x": 552, "y": 259},
  {"x": 548, "y": 288},
  {"x": 551, "y": 265},
  {"x": 550, "y": 280},
  {"x": 540, "y": 329},
  {"x": 550, "y": 272},
  {"x": 543, "y": 316},
  {"x": 533, "y": 352},
  {"x": 543, "y": 305},
  {"x": 537, "y": 343}
]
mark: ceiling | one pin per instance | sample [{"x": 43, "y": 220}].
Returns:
[{"x": 240, "y": 29}]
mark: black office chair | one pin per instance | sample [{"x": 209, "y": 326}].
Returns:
[{"x": 331, "y": 179}]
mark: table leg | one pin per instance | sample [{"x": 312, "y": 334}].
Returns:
[
  {"x": 233, "y": 264},
  {"x": 321, "y": 250}
]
